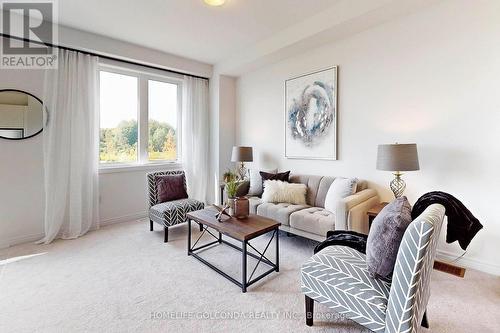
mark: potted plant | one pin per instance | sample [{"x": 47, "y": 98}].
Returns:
[
  {"x": 231, "y": 188},
  {"x": 228, "y": 176}
]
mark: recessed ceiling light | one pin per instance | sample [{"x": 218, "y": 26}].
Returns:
[{"x": 215, "y": 2}]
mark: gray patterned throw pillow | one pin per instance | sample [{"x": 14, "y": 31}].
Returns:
[{"x": 385, "y": 237}]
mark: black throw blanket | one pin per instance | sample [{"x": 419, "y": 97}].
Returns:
[
  {"x": 351, "y": 239},
  {"x": 462, "y": 225}
]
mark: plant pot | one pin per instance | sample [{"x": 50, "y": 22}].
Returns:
[
  {"x": 241, "y": 207},
  {"x": 230, "y": 203}
]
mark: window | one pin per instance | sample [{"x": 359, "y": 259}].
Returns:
[
  {"x": 139, "y": 117},
  {"x": 118, "y": 120},
  {"x": 162, "y": 105}
]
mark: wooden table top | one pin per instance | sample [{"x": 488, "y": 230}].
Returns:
[
  {"x": 375, "y": 210},
  {"x": 240, "y": 229}
]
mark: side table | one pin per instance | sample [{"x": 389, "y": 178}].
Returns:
[{"x": 374, "y": 211}]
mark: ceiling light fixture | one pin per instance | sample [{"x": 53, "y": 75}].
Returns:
[{"x": 215, "y": 2}]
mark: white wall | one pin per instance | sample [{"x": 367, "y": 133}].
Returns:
[
  {"x": 227, "y": 121},
  {"x": 214, "y": 137},
  {"x": 430, "y": 78},
  {"x": 122, "y": 195},
  {"x": 222, "y": 129},
  {"x": 21, "y": 171}
]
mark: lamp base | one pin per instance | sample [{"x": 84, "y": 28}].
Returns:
[
  {"x": 242, "y": 171},
  {"x": 398, "y": 185}
]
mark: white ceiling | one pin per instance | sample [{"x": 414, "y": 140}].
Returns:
[
  {"x": 189, "y": 28},
  {"x": 238, "y": 37}
]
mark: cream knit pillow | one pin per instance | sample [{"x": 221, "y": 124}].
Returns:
[{"x": 277, "y": 191}]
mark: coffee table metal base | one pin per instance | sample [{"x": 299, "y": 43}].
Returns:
[{"x": 245, "y": 281}]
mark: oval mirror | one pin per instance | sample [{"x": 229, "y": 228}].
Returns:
[{"x": 21, "y": 114}]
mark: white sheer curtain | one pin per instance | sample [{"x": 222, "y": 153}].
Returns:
[
  {"x": 195, "y": 136},
  {"x": 70, "y": 140}
]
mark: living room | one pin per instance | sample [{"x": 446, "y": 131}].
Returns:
[{"x": 135, "y": 92}]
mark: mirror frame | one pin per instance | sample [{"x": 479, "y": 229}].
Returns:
[{"x": 43, "y": 109}]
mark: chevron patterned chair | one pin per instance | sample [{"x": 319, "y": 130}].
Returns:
[
  {"x": 337, "y": 277},
  {"x": 169, "y": 213}
]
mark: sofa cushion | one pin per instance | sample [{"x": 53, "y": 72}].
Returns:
[
  {"x": 312, "y": 183},
  {"x": 339, "y": 189},
  {"x": 173, "y": 212},
  {"x": 279, "y": 212},
  {"x": 337, "y": 277},
  {"x": 385, "y": 237},
  {"x": 170, "y": 187},
  {"x": 283, "y": 176},
  {"x": 253, "y": 203},
  {"x": 153, "y": 197},
  {"x": 323, "y": 187},
  {"x": 277, "y": 191},
  {"x": 315, "y": 220},
  {"x": 256, "y": 188}
]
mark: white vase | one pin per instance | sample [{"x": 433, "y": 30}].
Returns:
[{"x": 230, "y": 203}]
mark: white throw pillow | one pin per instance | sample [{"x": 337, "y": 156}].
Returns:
[
  {"x": 256, "y": 181},
  {"x": 340, "y": 188},
  {"x": 277, "y": 191}
]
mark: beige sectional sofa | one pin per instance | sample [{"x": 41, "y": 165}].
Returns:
[{"x": 312, "y": 220}]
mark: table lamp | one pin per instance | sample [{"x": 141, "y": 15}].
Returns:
[
  {"x": 242, "y": 155},
  {"x": 397, "y": 158}
]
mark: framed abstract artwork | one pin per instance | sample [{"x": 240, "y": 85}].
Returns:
[{"x": 311, "y": 115}]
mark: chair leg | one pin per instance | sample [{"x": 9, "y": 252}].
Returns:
[
  {"x": 425, "y": 321},
  {"x": 150, "y": 225},
  {"x": 309, "y": 310},
  {"x": 201, "y": 227},
  {"x": 165, "y": 230}
]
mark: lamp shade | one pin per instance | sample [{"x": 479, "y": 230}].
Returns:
[
  {"x": 242, "y": 154},
  {"x": 397, "y": 157}
]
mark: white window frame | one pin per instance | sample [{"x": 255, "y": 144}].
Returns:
[{"x": 143, "y": 162}]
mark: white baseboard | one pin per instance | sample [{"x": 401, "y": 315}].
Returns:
[
  {"x": 124, "y": 218},
  {"x": 34, "y": 237},
  {"x": 441, "y": 255},
  {"x": 20, "y": 240},
  {"x": 468, "y": 262}
]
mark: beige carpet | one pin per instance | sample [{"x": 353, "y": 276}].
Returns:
[{"x": 123, "y": 278}]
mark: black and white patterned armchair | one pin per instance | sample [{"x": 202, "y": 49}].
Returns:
[
  {"x": 169, "y": 213},
  {"x": 337, "y": 277}
]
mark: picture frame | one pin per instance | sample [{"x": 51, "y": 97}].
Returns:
[{"x": 310, "y": 115}]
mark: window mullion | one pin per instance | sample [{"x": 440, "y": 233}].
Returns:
[
  {"x": 143, "y": 120},
  {"x": 179, "y": 122}
]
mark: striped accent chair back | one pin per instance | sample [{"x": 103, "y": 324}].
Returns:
[
  {"x": 412, "y": 273},
  {"x": 153, "y": 199}
]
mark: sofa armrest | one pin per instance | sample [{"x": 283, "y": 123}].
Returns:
[
  {"x": 344, "y": 206},
  {"x": 357, "y": 218}
]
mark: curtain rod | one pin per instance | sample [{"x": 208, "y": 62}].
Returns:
[{"x": 100, "y": 55}]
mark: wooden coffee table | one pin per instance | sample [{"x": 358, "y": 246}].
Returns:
[{"x": 244, "y": 231}]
